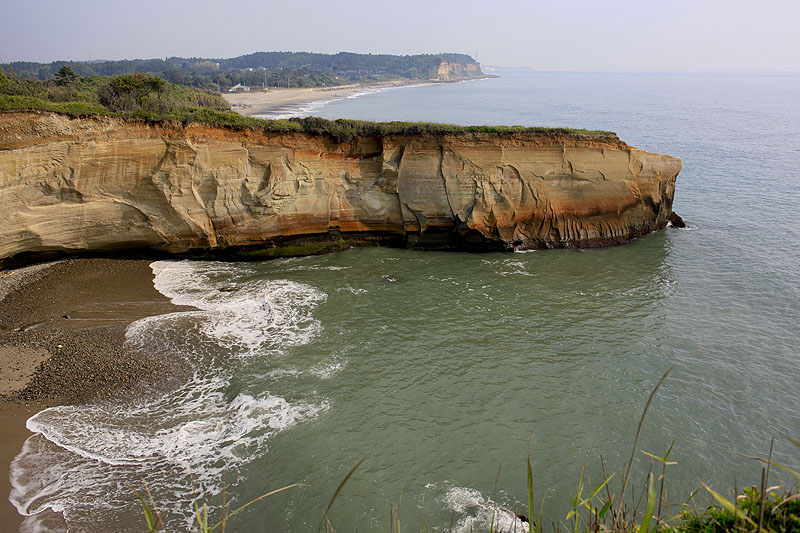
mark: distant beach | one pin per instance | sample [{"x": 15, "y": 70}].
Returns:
[{"x": 284, "y": 103}]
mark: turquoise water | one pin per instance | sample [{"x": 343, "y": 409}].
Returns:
[{"x": 305, "y": 366}]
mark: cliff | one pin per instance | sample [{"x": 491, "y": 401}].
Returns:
[
  {"x": 102, "y": 184},
  {"x": 454, "y": 71}
]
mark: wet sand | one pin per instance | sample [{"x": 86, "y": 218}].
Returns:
[
  {"x": 277, "y": 101},
  {"x": 62, "y": 329}
]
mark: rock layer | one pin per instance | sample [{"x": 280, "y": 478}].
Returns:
[
  {"x": 101, "y": 184},
  {"x": 452, "y": 71}
]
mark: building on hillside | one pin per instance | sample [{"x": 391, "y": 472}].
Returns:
[{"x": 239, "y": 88}]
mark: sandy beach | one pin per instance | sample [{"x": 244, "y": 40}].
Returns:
[
  {"x": 62, "y": 329},
  {"x": 277, "y": 101}
]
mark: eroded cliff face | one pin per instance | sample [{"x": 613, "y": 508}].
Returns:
[
  {"x": 106, "y": 184},
  {"x": 451, "y": 71}
]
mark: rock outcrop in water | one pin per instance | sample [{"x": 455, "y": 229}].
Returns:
[{"x": 102, "y": 184}]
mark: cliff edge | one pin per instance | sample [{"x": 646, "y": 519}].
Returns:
[{"x": 104, "y": 184}]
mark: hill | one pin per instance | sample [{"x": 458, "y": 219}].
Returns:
[{"x": 270, "y": 69}]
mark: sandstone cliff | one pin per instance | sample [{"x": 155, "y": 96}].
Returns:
[
  {"x": 100, "y": 184},
  {"x": 452, "y": 71}
]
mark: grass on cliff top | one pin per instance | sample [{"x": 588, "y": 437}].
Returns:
[
  {"x": 142, "y": 96},
  {"x": 342, "y": 130}
]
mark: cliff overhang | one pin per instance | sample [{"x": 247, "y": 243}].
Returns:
[{"x": 89, "y": 185}]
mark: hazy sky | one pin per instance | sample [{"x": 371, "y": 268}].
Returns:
[{"x": 732, "y": 35}]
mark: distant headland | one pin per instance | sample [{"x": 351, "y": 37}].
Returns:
[
  {"x": 263, "y": 70},
  {"x": 111, "y": 164}
]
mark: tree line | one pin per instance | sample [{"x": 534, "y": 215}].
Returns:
[
  {"x": 128, "y": 94},
  {"x": 272, "y": 69}
]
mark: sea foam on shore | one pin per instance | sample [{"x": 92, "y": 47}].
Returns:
[{"x": 82, "y": 458}]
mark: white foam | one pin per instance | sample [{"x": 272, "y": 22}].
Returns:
[
  {"x": 477, "y": 514},
  {"x": 194, "y": 430},
  {"x": 283, "y": 372},
  {"x": 257, "y": 316},
  {"x": 302, "y": 110},
  {"x": 317, "y": 267},
  {"x": 82, "y": 457},
  {"x": 513, "y": 267},
  {"x": 352, "y": 290},
  {"x": 327, "y": 369}
]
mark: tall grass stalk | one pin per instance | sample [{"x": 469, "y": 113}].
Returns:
[
  {"x": 636, "y": 438},
  {"x": 336, "y": 494},
  {"x": 155, "y": 521}
]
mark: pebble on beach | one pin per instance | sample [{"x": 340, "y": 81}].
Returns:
[{"x": 80, "y": 362}]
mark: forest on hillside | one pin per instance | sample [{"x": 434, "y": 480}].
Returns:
[{"x": 270, "y": 69}]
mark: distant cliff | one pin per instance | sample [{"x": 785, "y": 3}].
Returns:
[
  {"x": 295, "y": 69},
  {"x": 101, "y": 184},
  {"x": 454, "y": 71}
]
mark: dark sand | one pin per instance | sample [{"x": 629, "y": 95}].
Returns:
[{"x": 62, "y": 330}]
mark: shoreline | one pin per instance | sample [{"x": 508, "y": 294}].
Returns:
[
  {"x": 280, "y": 102},
  {"x": 62, "y": 335}
]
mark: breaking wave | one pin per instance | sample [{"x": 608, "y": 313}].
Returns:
[{"x": 83, "y": 459}]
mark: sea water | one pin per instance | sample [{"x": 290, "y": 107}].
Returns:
[{"x": 446, "y": 380}]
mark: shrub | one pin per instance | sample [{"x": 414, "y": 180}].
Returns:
[{"x": 781, "y": 513}]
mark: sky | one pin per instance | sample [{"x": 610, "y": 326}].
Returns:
[{"x": 611, "y": 35}]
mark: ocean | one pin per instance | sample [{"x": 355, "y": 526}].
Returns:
[{"x": 445, "y": 381}]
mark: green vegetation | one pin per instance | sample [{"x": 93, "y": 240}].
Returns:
[
  {"x": 345, "y": 129},
  {"x": 781, "y": 512},
  {"x": 142, "y": 93},
  {"x": 756, "y": 510},
  {"x": 270, "y": 69},
  {"x": 65, "y": 76},
  {"x": 155, "y": 521},
  {"x": 128, "y": 95},
  {"x": 147, "y": 97},
  {"x": 767, "y": 509}
]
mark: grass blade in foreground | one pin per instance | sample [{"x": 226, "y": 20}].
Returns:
[
  {"x": 251, "y": 502},
  {"x": 651, "y": 505},
  {"x": 336, "y": 493}
]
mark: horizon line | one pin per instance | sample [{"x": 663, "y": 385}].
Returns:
[{"x": 612, "y": 71}]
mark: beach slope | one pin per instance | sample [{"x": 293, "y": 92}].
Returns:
[{"x": 62, "y": 341}]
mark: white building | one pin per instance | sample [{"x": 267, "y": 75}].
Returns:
[{"x": 239, "y": 88}]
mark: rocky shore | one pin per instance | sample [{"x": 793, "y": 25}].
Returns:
[{"x": 62, "y": 341}]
